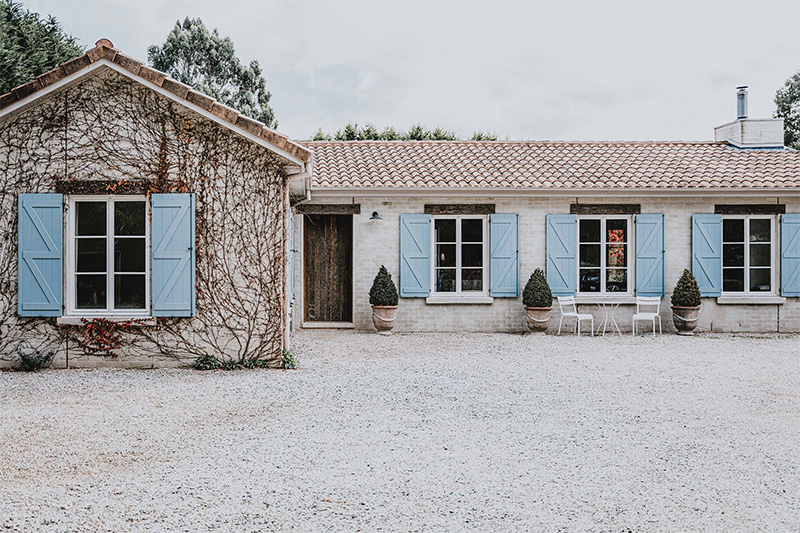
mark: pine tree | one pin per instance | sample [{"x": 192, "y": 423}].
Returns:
[
  {"x": 537, "y": 291},
  {"x": 686, "y": 292},
  {"x": 383, "y": 291}
]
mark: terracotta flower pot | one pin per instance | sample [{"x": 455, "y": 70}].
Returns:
[
  {"x": 383, "y": 318},
  {"x": 685, "y": 319},
  {"x": 538, "y": 318}
]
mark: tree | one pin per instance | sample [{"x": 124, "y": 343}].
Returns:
[
  {"x": 787, "y": 100},
  {"x": 417, "y": 132},
  {"x": 30, "y": 45},
  {"x": 207, "y": 62}
]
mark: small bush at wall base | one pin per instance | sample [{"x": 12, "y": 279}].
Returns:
[
  {"x": 686, "y": 292},
  {"x": 207, "y": 362},
  {"x": 289, "y": 360},
  {"x": 34, "y": 362}
]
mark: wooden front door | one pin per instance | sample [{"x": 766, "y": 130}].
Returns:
[{"x": 328, "y": 268}]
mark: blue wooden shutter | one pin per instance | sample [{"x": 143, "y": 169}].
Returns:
[
  {"x": 650, "y": 255},
  {"x": 707, "y": 253},
  {"x": 561, "y": 254},
  {"x": 504, "y": 266},
  {"x": 173, "y": 255},
  {"x": 790, "y": 254},
  {"x": 415, "y": 256},
  {"x": 39, "y": 267}
]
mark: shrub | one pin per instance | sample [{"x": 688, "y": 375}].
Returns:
[
  {"x": 207, "y": 362},
  {"x": 383, "y": 291},
  {"x": 34, "y": 362},
  {"x": 537, "y": 291},
  {"x": 289, "y": 360},
  {"x": 231, "y": 364},
  {"x": 686, "y": 292}
]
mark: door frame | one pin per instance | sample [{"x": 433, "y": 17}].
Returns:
[{"x": 300, "y": 296}]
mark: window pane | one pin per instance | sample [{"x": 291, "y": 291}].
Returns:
[
  {"x": 91, "y": 255},
  {"x": 733, "y": 255},
  {"x": 471, "y": 255},
  {"x": 590, "y": 280},
  {"x": 617, "y": 255},
  {"x": 129, "y": 255},
  {"x": 616, "y": 280},
  {"x": 91, "y": 291},
  {"x": 445, "y": 280},
  {"x": 129, "y": 218},
  {"x": 472, "y": 230},
  {"x": 733, "y": 230},
  {"x": 760, "y": 255},
  {"x": 616, "y": 230},
  {"x": 590, "y": 230},
  {"x": 129, "y": 291},
  {"x": 760, "y": 230},
  {"x": 590, "y": 255},
  {"x": 445, "y": 255},
  {"x": 733, "y": 279},
  {"x": 445, "y": 230},
  {"x": 91, "y": 218},
  {"x": 472, "y": 279},
  {"x": 759, "y": 279}
]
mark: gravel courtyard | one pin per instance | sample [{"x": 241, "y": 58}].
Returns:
[{"x": 422, "y": 432}]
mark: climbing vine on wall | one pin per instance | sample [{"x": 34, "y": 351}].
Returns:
[{"x": 110, "y": 135}]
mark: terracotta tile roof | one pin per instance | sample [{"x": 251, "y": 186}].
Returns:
[
  {"x": 105, "y": 50},
  {"x": 549, "y": 165}
]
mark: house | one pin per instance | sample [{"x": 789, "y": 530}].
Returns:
[
  {"x": 139, "y": 218},
  {"x": 461, "y": 225}
]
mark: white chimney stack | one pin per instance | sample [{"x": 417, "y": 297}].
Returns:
[{"x": 750, "y": 132}]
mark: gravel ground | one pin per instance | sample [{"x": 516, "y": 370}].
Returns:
[{"x": 422, "y": 432}]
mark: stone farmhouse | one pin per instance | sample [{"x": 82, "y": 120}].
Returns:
[{"x": 144, "y": 224}]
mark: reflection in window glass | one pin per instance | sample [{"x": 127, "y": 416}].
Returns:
[
  {"x": 602, "y": 255},
  {"x": 747, "y": 254}
]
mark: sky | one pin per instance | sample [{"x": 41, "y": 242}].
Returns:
[{"x": 536, "y": 70}]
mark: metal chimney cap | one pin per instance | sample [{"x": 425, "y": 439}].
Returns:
[{"x": 741, "y": 88}]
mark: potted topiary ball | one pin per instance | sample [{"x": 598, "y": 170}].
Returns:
[
  {"x": 685, "y": 303},
  {"x": 383, "y": 297},
  {"x": 538, "y": 301}
]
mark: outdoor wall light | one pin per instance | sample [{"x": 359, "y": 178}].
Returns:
[{"x": 375, "y": 216}]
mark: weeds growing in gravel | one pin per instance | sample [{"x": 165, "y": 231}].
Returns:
[
  {"x": 289, "y": 360},
  {"x": 34, "y": 362}
]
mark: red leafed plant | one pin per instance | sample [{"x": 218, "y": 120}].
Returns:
[{"x": 101, "y": 336}]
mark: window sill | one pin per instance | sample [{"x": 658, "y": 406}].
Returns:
[
  {"x": 751, "y": 300},
  {"x": 608, "y": 298},
  {"x": 458, "y": 300},
  {"x": 146, "y": 321}
]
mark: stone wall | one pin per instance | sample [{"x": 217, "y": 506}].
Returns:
[
  {"x": 378, "y": 242},
  {"x": 110, "y": 135}
]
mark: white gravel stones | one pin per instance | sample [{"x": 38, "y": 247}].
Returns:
[{"x": 417, "y": 432}]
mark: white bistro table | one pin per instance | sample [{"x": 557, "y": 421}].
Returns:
[{"x": 609, "y": 307}]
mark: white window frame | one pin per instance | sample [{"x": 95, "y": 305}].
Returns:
[
  {"x": 459, "y": 294},
  {"x": 70, "y": 255},
  {"x": 774, "y": 243},
  {"x": 629, "y": 241}
]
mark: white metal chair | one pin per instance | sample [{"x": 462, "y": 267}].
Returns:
[
  {"x": 647, "y": 309},
  {"x": 569, "y": 310}
]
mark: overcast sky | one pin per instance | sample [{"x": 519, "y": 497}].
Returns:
[{"x": 633, "y": 70}]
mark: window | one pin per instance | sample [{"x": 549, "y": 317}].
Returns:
[
  {"x": 603, "y": 259},
  {"x": 459, "y": 247},
  {"x": 747, "y": 254},
  {"x": 108, "y": 261}
]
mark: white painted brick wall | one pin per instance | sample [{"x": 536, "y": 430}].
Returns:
[{"x": 377, "y": 243}]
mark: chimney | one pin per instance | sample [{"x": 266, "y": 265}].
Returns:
[
  {"x": 750, "y": 132},
  {"x": 741, "y": 102}
]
